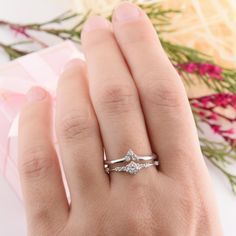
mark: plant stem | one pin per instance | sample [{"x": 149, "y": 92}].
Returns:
[{"x": 12, "y": 52}]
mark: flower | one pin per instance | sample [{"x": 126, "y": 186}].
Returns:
[
  {"x": 216, "y": 128},
  {"x": 20, "y": 30},
  {"x": 211, "y": 70},
  {"x": 207, "y": 108},
  {"x": 214, "y": 116},
  {"x": 230, "y": 131},
  {"x": 215, "y": 100},
  {"x": 202, "y": 113}
]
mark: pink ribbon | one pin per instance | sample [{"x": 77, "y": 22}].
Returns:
[{"x": 17, "y": 77}]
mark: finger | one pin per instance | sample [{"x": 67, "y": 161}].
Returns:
[
  {"x": 167, "y": 112},
  {"x": 41, "y": 180},
  {"x": 78, "y": 134},
  {"x": 114, "y": 95}
]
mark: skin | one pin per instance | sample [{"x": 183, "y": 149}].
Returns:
[{"x": 126, "y": 95}]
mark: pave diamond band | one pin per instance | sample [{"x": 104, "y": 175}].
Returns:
[
  {"x": 131, "y": 168},
  {"x": 134, "y": 165},
  {"x": 131, "y": 156}
]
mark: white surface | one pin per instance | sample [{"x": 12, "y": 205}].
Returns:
[{"x": 12, "y": 221}]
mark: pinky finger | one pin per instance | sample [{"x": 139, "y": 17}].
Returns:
[{"x": 43, "y": 191}]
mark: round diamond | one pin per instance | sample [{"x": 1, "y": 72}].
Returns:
[{"x": 132, "y": 168}]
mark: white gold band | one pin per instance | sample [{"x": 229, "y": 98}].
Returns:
[
  {"x": 131, "y": 156},
  {"x": 133, "y": 167}
]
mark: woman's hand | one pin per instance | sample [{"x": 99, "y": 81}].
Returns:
[{"x": 127, "y": 95}]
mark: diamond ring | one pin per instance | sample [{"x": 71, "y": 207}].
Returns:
[
  {"x": 131, "y": 156},
  {"x": 133, "y": 167}
]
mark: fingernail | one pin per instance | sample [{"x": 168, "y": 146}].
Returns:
[
  {"x": 126, "y": 12},
  {"x": 73, "y": 63},
  {"x": 95, "y": 22},
  {"x": 36, "y": 94}
]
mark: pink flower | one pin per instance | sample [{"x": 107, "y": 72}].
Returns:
[
  {"x": 20, "y": 30},
  {"x": 216, "y": 128},
  {"x": 230, "y": 131},
  {"x": 217, "y": 100},
  {"x": 203, "y": 69},
  {"x": 191, "y": 67},
  {"x": 231, "y": 141},
  {"x": 202, "y": 113},
  {"x": 195, "y": 104},
  {"x": 214, "y": 116},
  {"x": 211, "y": 70},
  {"x": 204, "y": 101}
]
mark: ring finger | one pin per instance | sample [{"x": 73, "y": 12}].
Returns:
[{"x": 114, "y": 95}]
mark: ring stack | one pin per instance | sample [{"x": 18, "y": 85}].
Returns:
[{"x": 135, "y": 163}]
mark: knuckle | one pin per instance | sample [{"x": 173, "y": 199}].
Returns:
[
  {"x": 43, "y": 223},
  {"x": 187, "y": 201},
  {"x": 142, "y": 195},
  {"x": 135, "y": 224},
  {"x": 37, "y": 161},
  {"x": 163, "y": 93},
  {"x": 76, "y": 124},
  {"x": 195, "y": 208},
  {"x": 41, "y": 215},
  {"x": 164, "y": 97},
  {"x": 117, "y": 99},
  {"x": 204, "y": 214},
  {"x": 139, "y": 220}
]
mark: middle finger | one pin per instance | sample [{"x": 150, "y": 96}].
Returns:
[{"x": 113, "y": 94}]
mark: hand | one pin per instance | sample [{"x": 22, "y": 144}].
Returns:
[{"x": 127, "y": 95}]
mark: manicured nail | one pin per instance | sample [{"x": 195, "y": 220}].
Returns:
[
  {"x": 73, "y": 63},
  {"x": 95, "y": 22},
  {"x": 126, "y": 12},
  {"x": 36, "y": 94}
]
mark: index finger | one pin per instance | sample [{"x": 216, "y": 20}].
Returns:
[{"x": 165, "y": 104}]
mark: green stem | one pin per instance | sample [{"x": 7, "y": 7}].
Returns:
[
  {"x": 12, "y": 52},
  {"x": 232, "y": 178}
]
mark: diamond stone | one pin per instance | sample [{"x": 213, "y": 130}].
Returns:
[
  {"x": 130, "y": 156},
  {"x": 127, "y": 158},
  {"x": 132, "y": 168}
]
